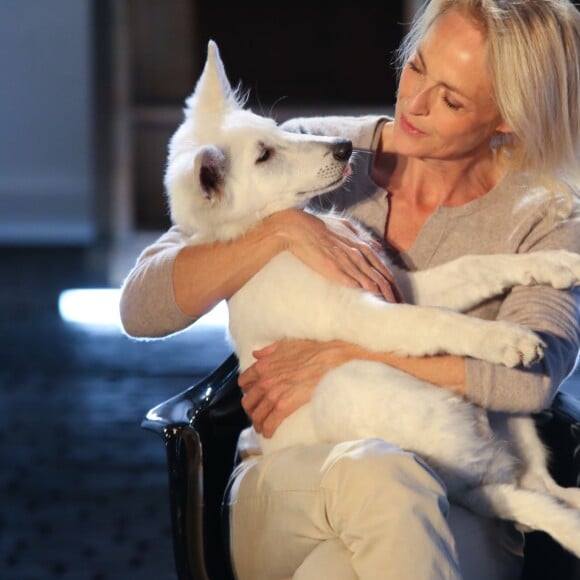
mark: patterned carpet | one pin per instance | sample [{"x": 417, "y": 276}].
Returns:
[{"x": 83, "y": 487}]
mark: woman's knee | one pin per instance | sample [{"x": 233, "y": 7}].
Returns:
[
  {"x": 329, "y": 559},
  {"x": 382, "y": 503}
]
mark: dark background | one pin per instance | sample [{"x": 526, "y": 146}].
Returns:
[{"x": 297, "y": 57}]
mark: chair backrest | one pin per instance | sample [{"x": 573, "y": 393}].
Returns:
[{"x": 200, "y": 427}]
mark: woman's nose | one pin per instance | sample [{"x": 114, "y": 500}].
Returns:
[{"x": 418, "y": 100}]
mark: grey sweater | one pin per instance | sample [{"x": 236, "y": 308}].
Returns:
[{"x": 516, "y": 216}]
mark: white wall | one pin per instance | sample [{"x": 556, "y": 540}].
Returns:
[{"x": 46, "y": 181}]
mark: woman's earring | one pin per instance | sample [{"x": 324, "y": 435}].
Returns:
[{"x": 500, "y": 142}]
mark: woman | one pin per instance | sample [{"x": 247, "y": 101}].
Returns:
[{"x": 485, "y": 141}]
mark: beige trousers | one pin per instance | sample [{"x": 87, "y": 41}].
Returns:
[{"x": 359, "y": 509}]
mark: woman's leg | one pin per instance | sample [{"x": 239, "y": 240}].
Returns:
[
  {"x": 330, "y": 556},
  {"x": 384, "y": 505}
]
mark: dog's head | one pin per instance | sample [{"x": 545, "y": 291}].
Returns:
[{"x": 228, "y": 168}]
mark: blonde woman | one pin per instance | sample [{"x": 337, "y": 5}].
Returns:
[{"x": 481, "y": 157}]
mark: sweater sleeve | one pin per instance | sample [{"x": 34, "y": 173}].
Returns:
[
  {"x": 147, "y": 307},
  {"x": 360, "y": 130},
  {"x": 554, "y": 314}
]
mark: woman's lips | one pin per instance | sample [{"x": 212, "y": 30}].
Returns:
[{"x": 410, "y": 129}]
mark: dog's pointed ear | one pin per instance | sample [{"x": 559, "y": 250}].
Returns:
[
  {"x": 211, "y": 167},
  {"x": 213, "y": 92}
]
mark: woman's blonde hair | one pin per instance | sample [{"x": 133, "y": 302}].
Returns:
[{"x": 533, "y": 56}]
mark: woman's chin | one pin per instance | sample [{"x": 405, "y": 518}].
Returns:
[{"x": 409, "y": 146}]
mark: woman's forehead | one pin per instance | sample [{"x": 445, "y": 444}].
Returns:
[{"x": 453, "y": 51}]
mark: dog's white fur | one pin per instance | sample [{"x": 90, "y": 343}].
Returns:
[{"x": 229, "y": 168}]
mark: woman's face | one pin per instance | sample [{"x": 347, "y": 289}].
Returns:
[{"x": 445, "y": 107}]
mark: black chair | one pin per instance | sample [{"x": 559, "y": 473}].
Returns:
[{"x": 200, "y": 428}]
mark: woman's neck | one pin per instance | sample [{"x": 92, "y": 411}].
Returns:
[
  {"x": 443, "y": 183},
  {"x": 431, "y": 183},
  {"x": 418, "y": 187}
]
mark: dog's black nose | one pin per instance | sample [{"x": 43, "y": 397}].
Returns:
[{"x": 342, "y": 150}]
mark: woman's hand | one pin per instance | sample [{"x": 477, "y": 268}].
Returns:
[
  {"x": 286, "y": 373},
  {"x": 283, "y": 379},
  {"x": 341, "y": 257}
]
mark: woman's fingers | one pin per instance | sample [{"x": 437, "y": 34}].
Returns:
[
  {"x": 275, "y": 406},
  {"x": 262, "y": 385},
  {"x": 380, "y": 275},
  {"x": 260, "y": 413},
  {"x": 263, "y": 406},
  {"x": 366, "y": 269},
  {"x": 290, "y": 401},
  {"x": 283, "y": 378},
  {"x": 348, "y": 262},
  {"x": 336, "y": 252}
]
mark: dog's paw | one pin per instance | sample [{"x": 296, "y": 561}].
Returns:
[
  {"x": 511, "y": 345},
  {"x": 559, "y": 269}
]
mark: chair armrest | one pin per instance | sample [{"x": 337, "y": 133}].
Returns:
[{"x": 185, "y": 407}]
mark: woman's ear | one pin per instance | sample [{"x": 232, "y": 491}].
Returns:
[
  {"x": 503, "y": 136},
  {"x": 504, "y": 127}
]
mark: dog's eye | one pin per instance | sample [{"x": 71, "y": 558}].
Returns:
[{"x": 265, "y": 154}]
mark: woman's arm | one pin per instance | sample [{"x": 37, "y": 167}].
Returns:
[
  {"x": 555, "y": 316},
  {"x": 147, "y": 306},
  {"x": 203, "y": 275},
  {"x": 552, "y": 313},
  {"x": 173, "y": 282},
  {"x": 275, "y": 386}
]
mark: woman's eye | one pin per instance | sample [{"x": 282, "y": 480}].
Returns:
[
  {"x": 451, "y": 104},
  {"x": 413, "y": 66},
  {"x": 264, "y": 155}
]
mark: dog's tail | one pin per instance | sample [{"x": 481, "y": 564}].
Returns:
[{"x": 533, "y": 509}]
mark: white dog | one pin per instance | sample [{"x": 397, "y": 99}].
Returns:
[{"x": 228, "y": 169}]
